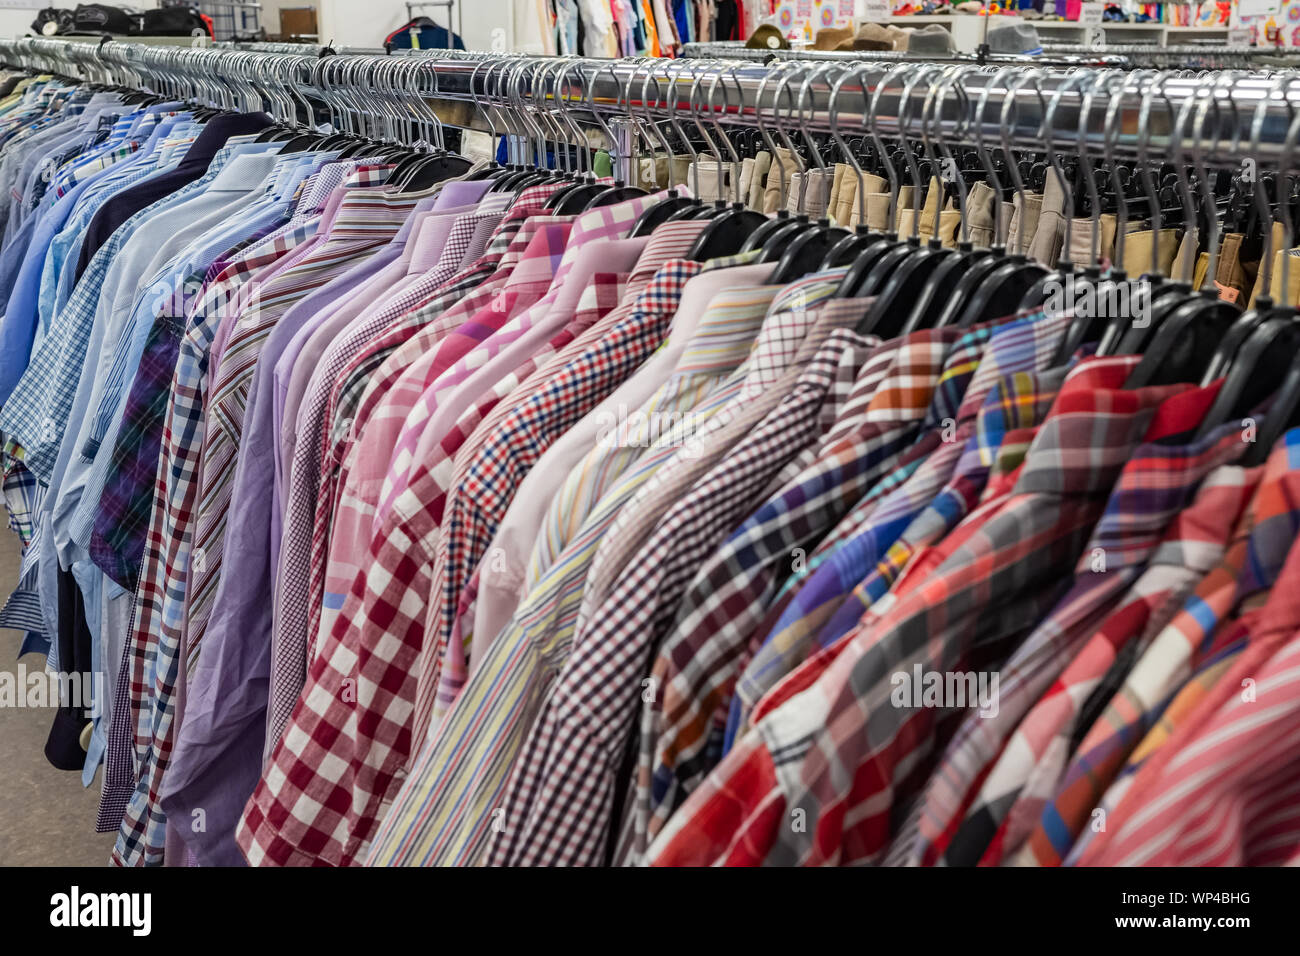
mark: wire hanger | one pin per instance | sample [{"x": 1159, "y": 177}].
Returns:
[{"x": 806, "y": 251}]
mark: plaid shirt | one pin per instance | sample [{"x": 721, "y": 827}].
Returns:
[
  {"x": 561, "y": 796},
  {"x": 1154, "y": 486},
  {"x": 1249, "y": 568},
  {"x": 377, "y": 642},
  {"x": 121, "y": 520},
  {"x": 803, "y": 623},
  {"x": 151, "y": 659},
  {"x": 985, "y": 479},
  {"x": 1194, "y": 544},
  {"x": 816, "y": 753},
  {"x": 1222, "y": 791},
  {"x": 445, "y": 814},
  {"x": 686, "y": 731},
  {"x": 725, "y": 601}
]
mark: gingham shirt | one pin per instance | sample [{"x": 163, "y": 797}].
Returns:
[
  {"x": 816, "y": 753},
  {"x": 445, "y": 813},
  {"x": 538, "y": 282},
  {"x": 377, "y": 644},
  {"x": 296, "y": 599},
  {"x": 366, "y": 354},
  {"x": 1249, "y": 568},
  {"x": 355, "y": 515},
  {"x": 561, "y": 799},
  {"x": 481, "y": 491},
  {"x": 484, "y": 475}
]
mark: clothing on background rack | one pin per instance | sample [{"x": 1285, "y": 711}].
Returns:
[{"x": 772, "y": 509}]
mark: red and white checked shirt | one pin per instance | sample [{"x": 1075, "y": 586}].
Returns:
[{"x": 343, "y": 755}]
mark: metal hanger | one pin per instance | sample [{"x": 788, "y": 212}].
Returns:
[
  {"x": 862, "y": 269},
  {"x": 891, "y": 311},
  {"x": 806, "y": 251},
  {"x": 851, "y": 246},
  {"x": 728, "y": 229},
  {"x": 875, "y": 278},
  {"x": 675, "y": 201},
  {"x": 1000, "y": 291},
  {"x": 776, "y": 222},
  {"x": 1185, "y": 342},
  {"x": 943, "y": 284}
]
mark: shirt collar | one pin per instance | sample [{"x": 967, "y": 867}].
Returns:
[
  {"x": 1018, "y": 400},
  {"x": 1092, "y": 429},
  {"x": 541, "y": 257},
  {"x": 599, "y": 297},
  {"x": 726, "y": 330}
]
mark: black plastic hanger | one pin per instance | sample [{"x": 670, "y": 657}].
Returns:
[
  {"x": 806, "y": 251},
  {"x": 1185, "y": 343},
  {"x": 1256, "y": 372}
]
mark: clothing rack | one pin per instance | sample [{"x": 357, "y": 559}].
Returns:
[
  {"x": 1190, "y": 56},
  {"x": 732, "y": 50},
  {"x": 840, "y": 399},
  {"x": 1217, "y": 120}
]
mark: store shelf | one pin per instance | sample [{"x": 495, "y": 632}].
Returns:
[{"x": 968, "y": 30}]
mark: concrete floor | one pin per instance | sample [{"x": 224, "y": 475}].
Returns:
[{"x": 46, "y": 817}]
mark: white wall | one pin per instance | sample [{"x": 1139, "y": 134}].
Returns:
[{"x": 17, "y": 23}]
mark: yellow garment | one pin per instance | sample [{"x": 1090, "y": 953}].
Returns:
[{"x": 1137, "y": 252}]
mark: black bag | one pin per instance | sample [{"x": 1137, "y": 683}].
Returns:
[
  {"x": 173, "y": 22},
  {"x": 104, "y": 18},
  {"x": 53, "y": 21}
]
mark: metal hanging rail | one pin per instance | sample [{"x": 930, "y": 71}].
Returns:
[{"x": 1219, "y": 119}]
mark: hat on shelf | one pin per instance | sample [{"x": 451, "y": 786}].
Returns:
[
  {"x": 767, "y": 37},
  {"x": 831, "y": 38},
  {"x": 931, "y": 39},
  {"x": 1015, "y": 38},
  {"x": 875, "y": 36}
]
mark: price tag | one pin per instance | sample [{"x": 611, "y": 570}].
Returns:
[
  {"x": 1096, "y": 38},
  {"x": 1257, "y": 8},
  {"x": 1227, "y": 293},
  {"x": 1240, "y": 38},
  {"x": 1090, "y": 14},
  {"x": 875, "y": 11}
]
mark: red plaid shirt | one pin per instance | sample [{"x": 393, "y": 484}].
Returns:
[
  {"x": 843, "y": 760},
  {"x": 1223, "y": 790},
  {"x": 1150, "y": 492}
]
